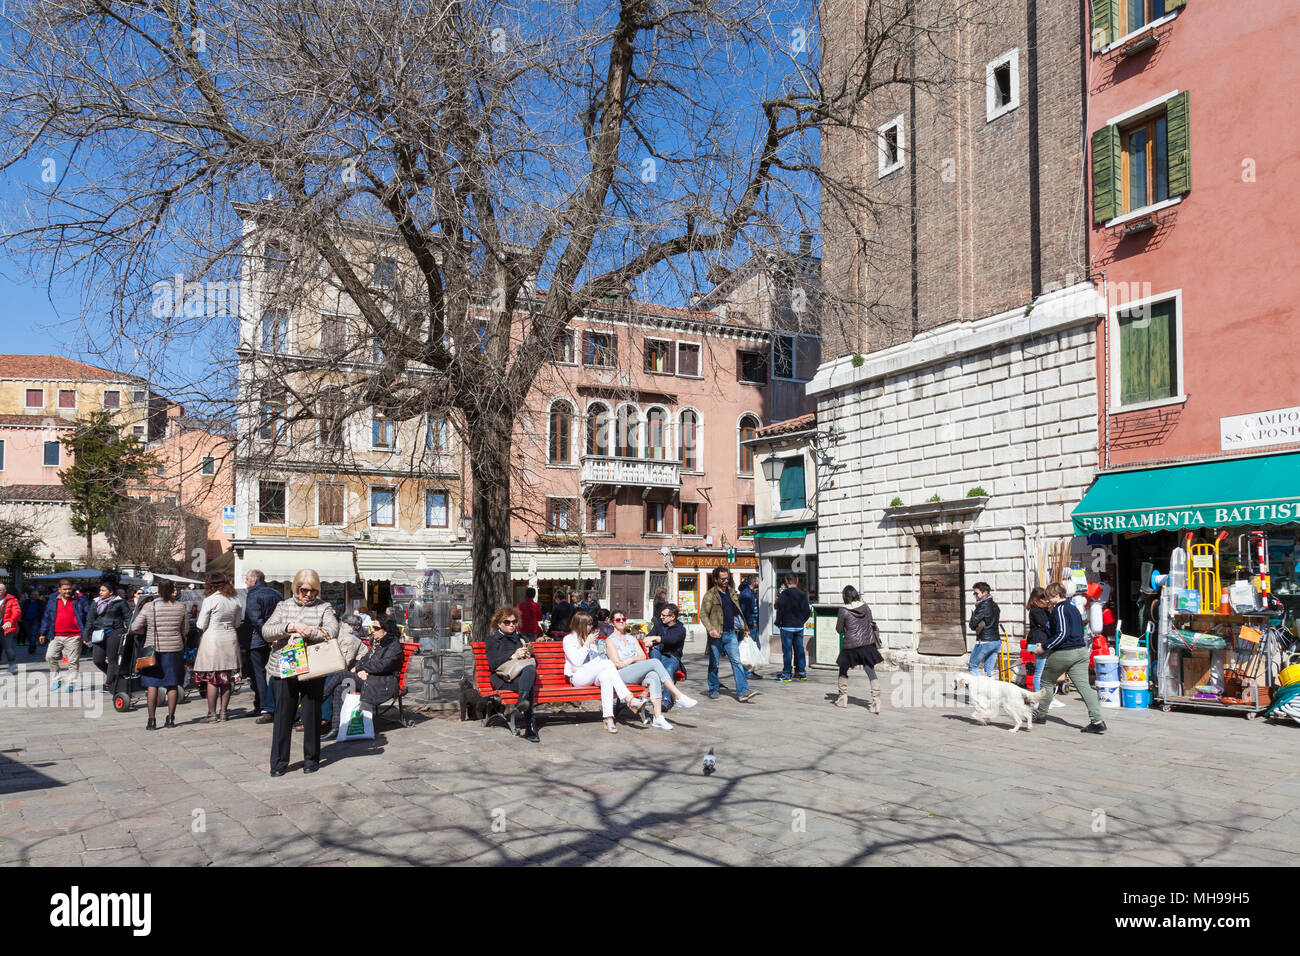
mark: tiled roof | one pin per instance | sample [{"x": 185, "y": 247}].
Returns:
[
  {"x": 802, "y": 423},
  {"x": 33, "y": 493},
  {"x": 56, "y": 368},
  {"x": 635, "y": 308},
  {"x": 37, "y": 421}
]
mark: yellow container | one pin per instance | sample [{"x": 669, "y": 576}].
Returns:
[{"x": 1290, "y": 675}]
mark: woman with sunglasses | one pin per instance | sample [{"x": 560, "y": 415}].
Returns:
[
  {"x": 634, "y": 667},
  {"x": 584, "y": 666},
  {"x": 505, "y": 643},
  {"x": 375, "y": 675},
  {"x": 304, "y": 615}
]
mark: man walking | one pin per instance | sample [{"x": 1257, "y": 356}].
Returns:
[
  {"x": 11, "y": 618},
  {"x": 749, "y": 610},
  {"x": 33, "y": 608},
  {"x": 984, "y": 621},
  {"x": 64, "y": 617},
  {"x": 724, "y": 622},
  {"x": 261, "y": 601},
  {"x": 1067, "y": 653},
  {"x": 792, "y": 610}
]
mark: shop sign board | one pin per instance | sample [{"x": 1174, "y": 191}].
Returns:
[
  {"x": 1276, "y": 427},
  {"x": 1205, "y": 516},
  {"x": 713, "y": 560},
  {"x": 227, "y": 519}
]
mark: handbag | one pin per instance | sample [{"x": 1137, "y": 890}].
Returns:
[
  {"x": 324, "y": 659},
  {"x": 97, "y": 635},
  {"x": 148, "y": 657},
  {"x": 512, "y": 668}
]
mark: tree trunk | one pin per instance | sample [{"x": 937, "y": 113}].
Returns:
[
  {"x": 490, "y": 448},
  {"x": 90, "y": 548}
]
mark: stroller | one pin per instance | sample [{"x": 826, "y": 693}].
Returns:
[{"x": 128, "y": 687}]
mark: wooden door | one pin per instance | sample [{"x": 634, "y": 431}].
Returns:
[
  {"x": 942, "y": 600},
  {"x": 627, "y": 592}
]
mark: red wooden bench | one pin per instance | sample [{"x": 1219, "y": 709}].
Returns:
[
  {"x": 552, "y": 686},
  {"x": 409, "y": 650}
]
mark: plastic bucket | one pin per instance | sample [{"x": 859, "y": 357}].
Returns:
[
  {"x": 1108, "y": 693},
  {"x": 1134, "y": 672},
  {"x": 1107, "y": 668},
  {"x": 1290, "y": 675},
  {"x": 1134, "y": 694},
  {"x": 1134, "y": 654}
]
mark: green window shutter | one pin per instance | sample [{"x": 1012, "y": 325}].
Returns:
[
  {"x": 1106, "y": 186},
  {"x": 1172, "y": 5},
  {"x": 1105, "y": 14},
  {"x": 792, "y": 486},
  {"x": 1132, "y": 361},
  {"x": 1180, "y": 145},
  {"x": 1148, "y": 354}
]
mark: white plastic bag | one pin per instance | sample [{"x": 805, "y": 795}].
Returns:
[
  {"x": 750, "y": 655},
  {"x": 355, "y": 722}
]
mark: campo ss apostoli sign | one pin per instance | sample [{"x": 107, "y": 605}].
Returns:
[{"x": 1276, "y": 427}]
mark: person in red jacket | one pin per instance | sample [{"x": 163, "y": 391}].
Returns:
[
  {"x": 11, "y": 618},
  {"x": 530, "y": 615}
]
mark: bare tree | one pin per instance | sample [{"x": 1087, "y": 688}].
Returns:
[{"x": 527, "y": 162}]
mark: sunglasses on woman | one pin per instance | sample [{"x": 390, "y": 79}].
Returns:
[
  {"x": 511, "y": 622},
  {"x": 620, "y": 620}
]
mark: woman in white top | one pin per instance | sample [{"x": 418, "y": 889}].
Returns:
[
  {"x": 584, "y": 666},
  {"x": 217, "y": 662},
  {"x": 625, "y": 653}
]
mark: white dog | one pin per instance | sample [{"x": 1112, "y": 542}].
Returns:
[{"x": 991, "y": 695}]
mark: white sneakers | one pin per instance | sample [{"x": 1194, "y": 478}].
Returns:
[
  {"x": 1056, "y": 702},
  {"x": 685, "y": 701},
  {"x": 662, "y": 724}
]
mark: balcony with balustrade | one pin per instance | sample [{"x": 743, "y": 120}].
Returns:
[{"x": 626, "y": 470}]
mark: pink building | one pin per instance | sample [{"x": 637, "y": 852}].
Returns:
[{"x": 1194, "y": 181}]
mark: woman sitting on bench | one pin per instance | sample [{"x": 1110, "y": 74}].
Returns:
[
  {"x": 634, "y": 667},
  {"x": 584, "y": 666}
]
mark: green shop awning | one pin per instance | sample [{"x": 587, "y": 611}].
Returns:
[
  {"x": 1212, "y": 494},
  {"x": 798, "y": 531}
]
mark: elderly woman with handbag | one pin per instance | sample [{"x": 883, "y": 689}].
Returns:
[
  {"x": 217, "y": 663},
  {"x": 513, "y": 666},
  {"x": 306, "y": 618},
  {"x": 164, "y": 623},
  {"x": 375, "y": 677}
]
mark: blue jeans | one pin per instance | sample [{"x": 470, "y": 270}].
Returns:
[
  {"x": 985, "y": 653},
  {"x": 649, "y": 672},
  {"x": 792, "y": 638},
  {"x": 727, "y": 642},
  {"x": 671, "y": 664}
]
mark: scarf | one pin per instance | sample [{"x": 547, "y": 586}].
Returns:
[{"x": 101, "y": 603}]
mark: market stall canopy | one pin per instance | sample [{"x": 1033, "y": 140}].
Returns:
[
  {"x": 384, "y": 564},
  {"x": 1213, "y": 494},
  {"x": 176, "y": 579},
  {"x": 334, "y": 566}
]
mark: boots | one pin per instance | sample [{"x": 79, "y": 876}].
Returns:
[
  {"x": 531, "y": 734},
  {"x": 843, "y": 699},
  {"x": 875, "y": 697}
]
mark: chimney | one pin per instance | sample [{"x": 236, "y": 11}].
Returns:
[{"x": 805, "y": 243}]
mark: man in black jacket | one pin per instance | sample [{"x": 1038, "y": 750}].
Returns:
[
  {"x": 667, "y": 643},
  {"x": 985, "y": 621},
  {"x": 792, "y": 611},
  {"x": 561, "y": 611},
  {"x": 259, "y": 603}
]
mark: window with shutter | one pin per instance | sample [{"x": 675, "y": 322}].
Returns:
[
  {"x": 793, "y": 494},
  {"x": 688, "y": 359},
  {"x": 1105, "y": 14},
  {"x": 1148, "y": 353}
]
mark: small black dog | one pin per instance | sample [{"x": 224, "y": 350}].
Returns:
[{"x": 473, "y": 705}]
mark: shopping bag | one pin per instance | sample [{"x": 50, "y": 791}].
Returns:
[
  {"x": 293, "y": 658},
  {"x": 355, "y": 722},
  {"x": 750, "y": 655},
  {"x": 324, "y": 659}
]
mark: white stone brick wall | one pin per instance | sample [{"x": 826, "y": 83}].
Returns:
[{"x": 1018, "y": 418}]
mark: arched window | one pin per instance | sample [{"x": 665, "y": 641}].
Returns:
[
  {"x": 656, "y": 438},
  {"x": 559, "y": 447},
  {"x": 625, "y": 432},
  {"x": 598, "y": 429},
  {"x": 690, "y": 441},
  {"x": 748, "y": 430}
]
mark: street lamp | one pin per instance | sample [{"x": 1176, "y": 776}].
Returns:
[{"x": 772, "y": 468}]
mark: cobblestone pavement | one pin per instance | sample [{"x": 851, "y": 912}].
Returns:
[{"x": 798, "y": 781}]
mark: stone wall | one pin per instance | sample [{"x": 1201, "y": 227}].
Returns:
[{"x": 1008, "y": 404}]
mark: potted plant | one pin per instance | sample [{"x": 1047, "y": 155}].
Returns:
[{"x": 688, "y": 528}]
